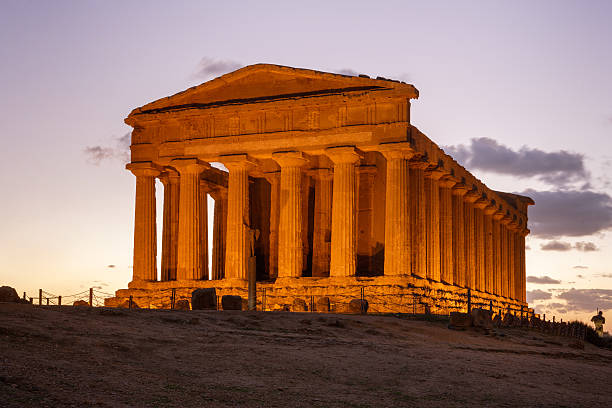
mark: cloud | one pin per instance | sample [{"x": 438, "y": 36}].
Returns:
[
  {"x": 569, "y": 213},
  {"x": 557, "y": 168},
  {"x": 111, "y": 266},
  {"x": 121, "y": 151},
  {"x": 348, "y": 71},
  {"x": 583, "y": 300},
  {"x": 604, "y": 275},
  {"x": 581, "y": 276},
  {"x": 209, "y": 67},
  {"x": 543, "y": 280},
  {"x": 556, "y": 246},
  {"x": 533, "y": 295},
  {"x": 586, "y": 246},
  {"x": 580, "y": 267}
]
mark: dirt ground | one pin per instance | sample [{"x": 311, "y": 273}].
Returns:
[{"x": 84, "y": 357}]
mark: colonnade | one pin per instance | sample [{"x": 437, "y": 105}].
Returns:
[{"x": 436, "y": 227}]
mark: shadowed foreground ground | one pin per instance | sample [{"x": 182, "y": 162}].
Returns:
[{"x": 68, "y": 356}]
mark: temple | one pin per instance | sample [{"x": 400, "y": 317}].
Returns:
[{"x": 325, "y": 190}]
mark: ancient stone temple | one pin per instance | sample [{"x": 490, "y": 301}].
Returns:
[{"x": 326, "y": 190}]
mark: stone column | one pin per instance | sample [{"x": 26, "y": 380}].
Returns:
[
  {"x": 170, "y": 180},
  {"x": 343, "y": 238},
  {"x": 523, "y": 268},
  {"x": 432, "y": 185},
  {"x": 237, "y": 248},
  {"x": 446, "y": 230},
  {"x": 219, "y": 234},
  {"x": 498, "y": 251},
  {"x": 459, "y": 191},
  {"x": 274, "y": 180},
  {"x": 321, "y": 242},
  {"x": 145, "y": 231},
  {"x": 290, "y": 240},
  {"x": 489, "y": 248},
  {"x": 418, "y": 212},
  {"x": 189, "y": 261},
  {"x": 505, "y": 269},
  {"x": 479, "y": 222},
  {"x": 397, "y": 209},
  {"x": 512, "y": 261},
  {"x": 365, "y": 216},
  {"x": 204, "y": 228},
  {"x": 470, "y": 238}
]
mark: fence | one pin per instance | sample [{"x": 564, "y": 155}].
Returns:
[{"x": 91, "y": 297}]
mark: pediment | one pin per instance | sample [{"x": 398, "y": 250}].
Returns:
[{"x": 265, "y": 82}]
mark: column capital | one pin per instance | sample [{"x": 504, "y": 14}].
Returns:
[
  {"x": 506, "y": 219},
  {"x": 419, "y": 164},
  {"x": 169, "y": 175},
  {"x": 396, "y": 150},
  {"x": 448, "y": 181},
  {"x": 472, "y": 195},
  {"x": 498, "y": 214},
  {"x": 189, "y": 166},
  {"x": 460, "y": 189},
  {"x": 272, "y": 176},
  {"x": 524, "y": 232},
  {"x": 290, "y": 159},
  {"x": 435, "y": 173},
  {"x": 490, "y": 209},
  {"x": 481, "y": 202},
  {"x": 238, "y": 161},
  {"x": 144, "y": 169},
  {"x": 344, "y": 154}
]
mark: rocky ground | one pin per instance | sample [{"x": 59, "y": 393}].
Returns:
[{"x": 84, "y": 357}]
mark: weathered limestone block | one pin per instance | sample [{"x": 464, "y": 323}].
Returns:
[
  {"x": 126, "y": 305},
  {"x": 182, "y": 304},
  {"x": 323, "y": 304},
  {"x": 460, "y": 321},
  {"x": 299, "y": 305},
  {"x": 358, "y": 306},
  {"x": 204, "y": 299},
  {"x": 231, "y": 302},
  {"x": 8, "y": 294},
  {"x": 482, "y": 318},
  {"x": 80, "y": 303}
]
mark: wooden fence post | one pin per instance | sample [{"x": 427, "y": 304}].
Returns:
[{"x": 90, "y": 296}]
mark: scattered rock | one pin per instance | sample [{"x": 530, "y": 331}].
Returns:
[
  {"x": 182, "y": 304},
  {"x": 482, "y": 318},
  {"x": 299, "y": 305},
  {"x": 231, "y": 302},
  {"x": 358, "y": 306},
  {"x": 204, "y": 299},
  {"x": 460, "y": 321},
  {"x": 80, "y": 303},
  {"x": 8, "y": 294},
  {"x": 323, "y": 304}
]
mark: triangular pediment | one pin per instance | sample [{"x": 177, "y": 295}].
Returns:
[{"x": 262, "y": 82}]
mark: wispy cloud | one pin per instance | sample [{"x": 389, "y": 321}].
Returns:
[
  {"x": 210, "y": 67},
  {"x": 557, "y": 168},
  {"x": 537, "y": 294},
  {"x": 543, "y": 280},
  {"x": 583, "y": 300},
  {"x": 580, "y": 267},
  {"x": 119, "y": 151},
  {"x": 586, "y": 246},
  {"x": 556, "y": 246}
]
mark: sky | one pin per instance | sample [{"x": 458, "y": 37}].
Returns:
[{"x": 519, "y": 92}]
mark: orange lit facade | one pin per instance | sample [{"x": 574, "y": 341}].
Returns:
[{"x": 328, "y": 189}]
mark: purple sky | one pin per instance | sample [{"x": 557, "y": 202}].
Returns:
[{"x": 526, "y": 80}]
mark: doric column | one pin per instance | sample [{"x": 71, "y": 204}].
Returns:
[
  {"x": 432, "y": 201},
  {"x": 274, "y": 180},
  {"x": 237, "y": 248},
  {"x": 365, "y": 216},
  {"x": 170, "y": 180},
  {"x": 418, "y": 214},
  {"x": 459, "y": 191},
  {"x": 512, "y": 258},
  {"x": 145, "y": 232},
  {"x": 290, "y": 242},
  {"x": 219, "y": 233},
  {"x": 498, "y": 251},
  {"x": 189, "y": 261},
  {"x": 505, "y": 269},
  {"x": 204, "y": 228},
  {"x": 343, "y": 238},
  {"x": 489, "y": 242},
  {"x": 446, "y": 229},
  {"x": 321, "y": 242},
  {"x": 397, "y": 209},
  {"x": 470, "y": 238},
  {"x": 479, "y": 223},
  {"x": 522, "y": 267}
]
